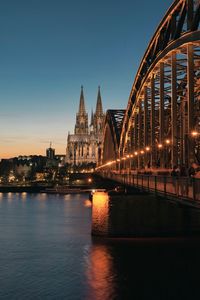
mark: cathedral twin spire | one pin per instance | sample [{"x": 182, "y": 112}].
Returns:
[
  {"x": 99, "y": 107},
  {"x": 82, "y": 117}
]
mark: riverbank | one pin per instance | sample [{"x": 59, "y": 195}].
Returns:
[{"x": 21, "y": 189}]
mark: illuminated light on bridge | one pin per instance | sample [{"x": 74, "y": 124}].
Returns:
[
  {"x": 164, "y": 103},
  {"x": 142, "y": 151},
  {"x": 160, "y": 146},
  {"x": 194, "y": 133}
]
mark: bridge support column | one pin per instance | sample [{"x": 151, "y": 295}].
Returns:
[
  {"x": 190, "y": 79},
  {"x": 153, "y": 146},
  {"x": 146, "y": 142},
  {"x": 136, "y": 137},
  {"x": 174, "y": 110},
  {"x": 140, "y": 134},
  {"x": 161, "y": 116}
]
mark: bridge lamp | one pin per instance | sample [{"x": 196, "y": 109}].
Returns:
[
  {"x": 147, "y": 148},
  {"x": 131, "y": 155},
  {"x": 167, "y": 142},
  {"x": 142, "y": 151},
  {"x": 194, "y": 133},
  {"x": 135, "y": 153},
  {"x": 128, "y": 156},
  {"x": 118, "y": 160},
  {"x": 160, "y": 146}
]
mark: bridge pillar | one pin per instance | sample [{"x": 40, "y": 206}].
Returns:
[
  {"x": 136, "y": 137},
  {"x": 140, "y": 134},
  {"x": 146, "y": 119},
  {"x": 161, "y": 114},
  {"x": 174, "y": 109},
  {"x": 190, "y": 79},
  {"x": 153, "y": 146}
]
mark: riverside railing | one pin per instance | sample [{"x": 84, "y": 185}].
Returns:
[{"x": 181, "y": 187}]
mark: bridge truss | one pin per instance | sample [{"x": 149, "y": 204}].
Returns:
[
  {"x": 112, "y": 133},
  {"x": 161, "y": 125}
]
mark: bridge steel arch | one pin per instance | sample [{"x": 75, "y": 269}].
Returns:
[
  {"x": 112, "y": 132},
  {"x": 161, "y": 125}
]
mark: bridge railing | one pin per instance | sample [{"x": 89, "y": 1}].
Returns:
[{"x": 181, "y": 187}]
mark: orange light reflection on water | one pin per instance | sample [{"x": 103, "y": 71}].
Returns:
[
  {"x": 87, "y": 203},
  {"x": 100, "y": 274},
  {"x": 24, "y": 196}
]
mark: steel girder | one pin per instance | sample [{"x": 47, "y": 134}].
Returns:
[
  {"x": 164, "y": 101},
  {"x": 112, "y": 133}
]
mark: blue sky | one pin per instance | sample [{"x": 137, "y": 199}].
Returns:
[{"x": 50, "y": 48}]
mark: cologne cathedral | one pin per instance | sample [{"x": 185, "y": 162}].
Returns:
[{"x": 84, "y": 146}]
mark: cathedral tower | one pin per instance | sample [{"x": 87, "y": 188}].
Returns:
[
  {"x": 99, "y": 116},
  {"x": 81, "y": 126},
  {"x": 84, "y": 146}
]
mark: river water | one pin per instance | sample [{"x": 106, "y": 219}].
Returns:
[{"x": 47, "y": 252}]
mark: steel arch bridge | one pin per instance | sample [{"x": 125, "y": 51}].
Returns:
[
  {"x": 112, "y": 133},
  {"x": 161, "y": 125}
]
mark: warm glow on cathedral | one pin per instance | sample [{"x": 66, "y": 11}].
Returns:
[{"x": 84, "y": 146}]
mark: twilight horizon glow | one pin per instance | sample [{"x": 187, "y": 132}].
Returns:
[{"x": 49, "y": 49}]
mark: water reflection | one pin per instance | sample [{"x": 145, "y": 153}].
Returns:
[
  {"x": 46, "y": 252},
  {"x": 100, "y": 273},
  {"x": 23, "y": 196},
  {"x": 43, "y": 196},
  {"x": 143, "y": 269},
  {"x": 87, "y": 203},
  {"x": 67, "y": 197},
  {"x": 10, "y": 197}
]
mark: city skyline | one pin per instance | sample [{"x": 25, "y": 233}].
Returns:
[{"x": 50, "y": 49}]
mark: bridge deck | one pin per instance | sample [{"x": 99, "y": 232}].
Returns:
[{"x": 178, "y": 187}]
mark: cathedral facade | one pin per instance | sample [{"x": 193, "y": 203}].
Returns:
[{"x": 84, "y": 146}]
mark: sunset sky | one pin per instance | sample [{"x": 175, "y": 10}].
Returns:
[{"x": 50, "y": 48}]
